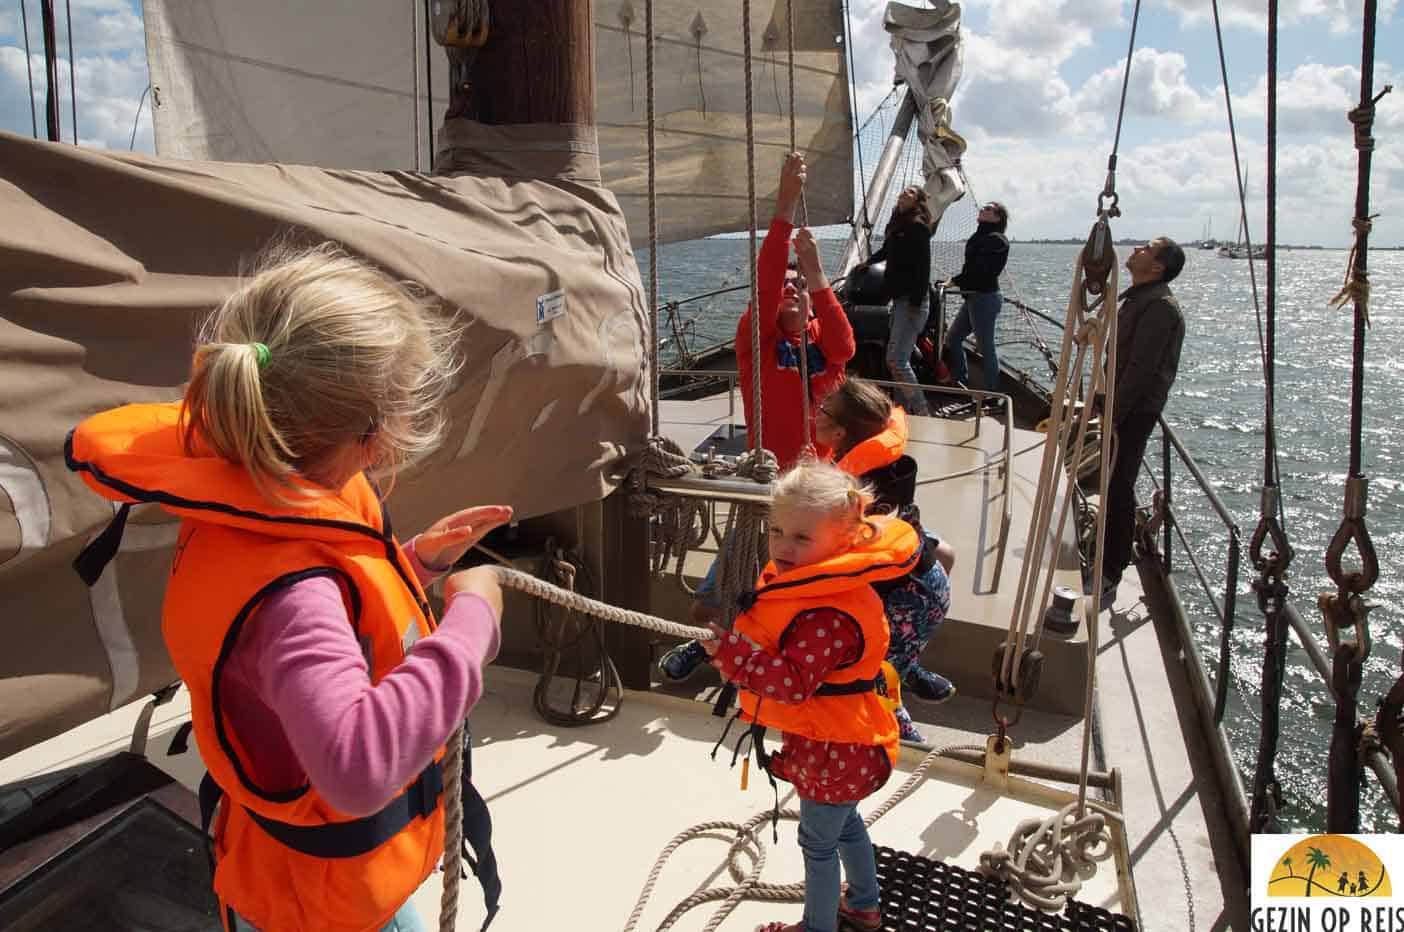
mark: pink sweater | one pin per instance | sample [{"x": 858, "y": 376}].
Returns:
[{"x": 298, "y": 695}]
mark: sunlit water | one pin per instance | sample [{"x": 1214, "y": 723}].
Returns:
[{"x": 1217, "y": 409}]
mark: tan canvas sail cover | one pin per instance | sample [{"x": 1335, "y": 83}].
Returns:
[
  {"x": 107, "y": 261},
  {"x": 340, "y": 85}
]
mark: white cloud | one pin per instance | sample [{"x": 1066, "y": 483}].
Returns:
[
  {"x": 1016, "y": 96},
  {"x": 1174, "y": 187},
  {"x": 1158, "y": 87},
  {"x": 1051, "y": 29},
  {"x": 1340, "y": 15},
  {"x": 109, "y": 88},
  {"x": 1315, "y": 98}
]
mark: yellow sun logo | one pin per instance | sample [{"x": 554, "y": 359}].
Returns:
[{"x": 1329, "y": 865}]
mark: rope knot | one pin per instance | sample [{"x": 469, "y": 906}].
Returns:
[
  {"x": 1356, "y": 286},
  {"x": 759, "y": 465},
  {"x": 1363, "y": 118}
]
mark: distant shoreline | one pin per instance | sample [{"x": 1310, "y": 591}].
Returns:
[{"x": 1136, "y": 241}]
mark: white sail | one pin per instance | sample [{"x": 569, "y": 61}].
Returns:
[{"x": 340, "y": 87}]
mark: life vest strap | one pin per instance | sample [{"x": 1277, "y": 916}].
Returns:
[
  {"x": 852, "y": 687},
  {"x": 357, "y": 837}
]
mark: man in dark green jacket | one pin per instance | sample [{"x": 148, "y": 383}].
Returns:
[{"x": 1149, "y": 333}]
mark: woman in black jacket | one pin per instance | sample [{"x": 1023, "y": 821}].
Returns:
[
  {"x": 986, "y": 252},
  {"x": 906, "y": 246}
]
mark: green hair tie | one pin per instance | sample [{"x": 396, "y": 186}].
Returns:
[{"x": 262, "y": 355}]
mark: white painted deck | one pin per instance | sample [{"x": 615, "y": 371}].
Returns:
[{"x": 581, "y": 814}]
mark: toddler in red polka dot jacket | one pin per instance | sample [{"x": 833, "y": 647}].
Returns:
[{"x": 806, "y": 655}]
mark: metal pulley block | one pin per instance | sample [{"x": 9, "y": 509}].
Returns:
[
  {"x": 1030, "y": 670},
  {"x": 459, "y": 23},
  {"x": 1098, "y": 257}
]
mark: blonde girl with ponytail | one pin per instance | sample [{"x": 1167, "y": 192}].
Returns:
[{"x": 322, "y": 687}]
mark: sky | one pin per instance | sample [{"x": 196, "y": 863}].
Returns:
[{"x": 1037, "y": 104}]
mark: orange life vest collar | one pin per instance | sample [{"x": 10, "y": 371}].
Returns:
[
  {"x": 882, "y": 449},
  {"x": 892, "y": 553},
  {"x": 134, "y": 454}
]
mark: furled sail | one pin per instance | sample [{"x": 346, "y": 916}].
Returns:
[
  {"x": 106, "y": 262},
  {"x": 346, "y": 87},
  {"x": 929, "y": 53}
]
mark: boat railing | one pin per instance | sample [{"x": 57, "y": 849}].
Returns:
[
  {"x": 1211, "y": 700},
  {"x": 1005, "y": 461}
]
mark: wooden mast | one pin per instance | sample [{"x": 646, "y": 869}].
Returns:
[{"x": 537, "y": 65}]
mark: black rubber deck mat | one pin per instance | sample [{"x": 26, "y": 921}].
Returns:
[{"x": 922, "y": 895}]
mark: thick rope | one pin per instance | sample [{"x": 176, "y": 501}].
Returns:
[
  {"x": 574, "y": 601},
  {"x": 1046, "y": 858},
  {"x": 794, "y": 147},
  {"x": 453, "y": 830},
  {"x": 1092, "y": 331},
  {"x": 742, "y": 558},
  {"x": 794, "y": 144},
  {"x": 748, "y": 841}
]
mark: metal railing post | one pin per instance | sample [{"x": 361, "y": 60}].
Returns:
[{"x": 1165, "y": 491}]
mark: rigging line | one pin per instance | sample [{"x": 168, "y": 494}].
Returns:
[
  {"x": 29, "y": 67},
  {"x": 653, "y": 212},
  {"x": 414, "y": 79},
  {"x": 853, "y": 121},
  {"x": 1270, "y": 365},
  {"x": 751, "y": 240},
  {"x": 72, "y": 81},
  {"x": 1270, "y": 468},
  {"x": 794, "y": 145},
  {"x": 131, "y": 146},
  {"x": 1364, "y": 145},
  {"x": 51, "y": 102},
  {"x": 428, "y": 82},
  {"x": 804, "y": 220},
  {"x": 1125, "y": 81}
]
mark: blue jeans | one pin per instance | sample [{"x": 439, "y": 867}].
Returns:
[
  {"x": 406, "y": 920},
  {"x": 908, "y": 321},
  {"x": 830, "y": 833},
  {"x": 976, "y": 315}
]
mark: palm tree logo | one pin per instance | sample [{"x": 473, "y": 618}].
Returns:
[
  {"x": 1318, "y": 861},
  {"x": 1328, "y": 856}
]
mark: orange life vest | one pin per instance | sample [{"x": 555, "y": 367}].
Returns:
[
  {"x": 882, "y": 449},
  {"x": 285, "y": 860},
  {"x": 844, "y": 583}
]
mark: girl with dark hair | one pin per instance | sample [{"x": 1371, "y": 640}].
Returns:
[{"x": 869, "y": 439}]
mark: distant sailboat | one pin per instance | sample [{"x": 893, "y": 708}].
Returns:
[
  {"x": 1241, "y": 249},
  {"x": 1208, "y": 241}
]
